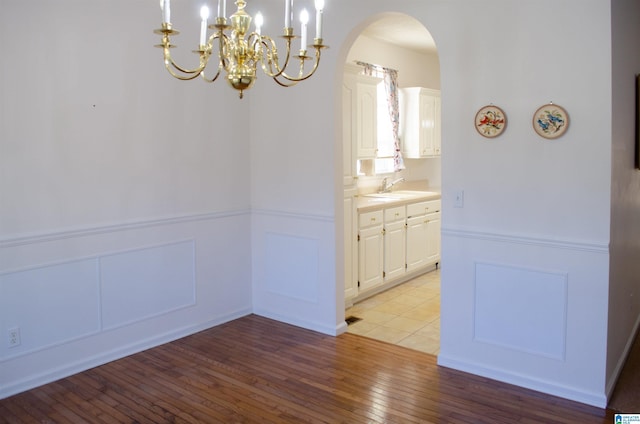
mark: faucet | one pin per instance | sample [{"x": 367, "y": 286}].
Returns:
[{"x": 385, "y": 187}]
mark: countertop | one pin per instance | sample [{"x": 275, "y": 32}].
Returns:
[{"x": 367, "y": 203}]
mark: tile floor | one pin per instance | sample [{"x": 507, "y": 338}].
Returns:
[{"x": 407, "y": 315}]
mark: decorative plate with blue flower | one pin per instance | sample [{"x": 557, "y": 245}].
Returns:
[{"x": 550, "y": 121}]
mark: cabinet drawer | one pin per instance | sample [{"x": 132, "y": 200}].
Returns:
[
  {"x": 421, "y": 208},
  {"x": 395, "y": 214},
  {"x": 370, "y": 218}
]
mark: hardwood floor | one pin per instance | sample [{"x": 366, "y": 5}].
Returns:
[{"x": 255, "y": 370}]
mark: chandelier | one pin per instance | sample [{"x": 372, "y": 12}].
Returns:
[{"x": 239, "y": 52}]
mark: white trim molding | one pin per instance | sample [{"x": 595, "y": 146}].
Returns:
[
  {"x": 36, "y": 238},
  {"x": 613, "y": 379},
  {"x": 595, "y": 399},
  {"x": 293, "y": 214},
  {"x": 579, "y": 245}
]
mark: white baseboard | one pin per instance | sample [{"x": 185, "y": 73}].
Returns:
[
  {"x": 598, "y": 400},
  {"x": 118, "y": 353},
  {"x": 313, "y": 326},
  {"x": 611, "y": 382}
]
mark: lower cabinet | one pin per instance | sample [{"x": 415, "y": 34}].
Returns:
[
  {"x": 416, "y": 243},
  {"x": 395, "y": 245},
  {"x": 370, "y": 250},
  {"x": 434, "y": 225},
  {"x": 397, "y": 241},
  {"x": 423, "y": 234}
]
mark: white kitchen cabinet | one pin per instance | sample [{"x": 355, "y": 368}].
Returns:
[
  {"x": 423, "y": 234},
  {"x": 437, "y": 130},
  {"x": 416, "y": 243},
  {"x": 370, "y": 250},
  {"x": 434, "y": 225},
  {"x": 350, "y": 245},
  {"x": 366, "y": 116},
  {"x": 420, "y": 127},
  {"x": 394, "y": 242}
]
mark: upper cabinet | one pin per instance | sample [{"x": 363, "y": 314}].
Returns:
[
  {"x": 360, "y": 119},
  {"x": 367, "y": 116},
  {"x": 420, "y": 130}
]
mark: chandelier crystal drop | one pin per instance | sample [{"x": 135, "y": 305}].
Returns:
[{"x": 239, "y": 52}]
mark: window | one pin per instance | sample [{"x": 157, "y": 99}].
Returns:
[
  {"x": 384, "y": 166},
  {"x": 386, "y": 144},
  {"x": 388, "y": 157}
]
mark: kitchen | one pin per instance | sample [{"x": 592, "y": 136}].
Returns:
[{"x": 392, "y": 215}]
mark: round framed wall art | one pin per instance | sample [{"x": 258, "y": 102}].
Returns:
[
  {"x": 550, "y": 121},
  {"x": 490, "y": 121}
]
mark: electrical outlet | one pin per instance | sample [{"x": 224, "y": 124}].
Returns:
[{"x": 14, "y": 337}]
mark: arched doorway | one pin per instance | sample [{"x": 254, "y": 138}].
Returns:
[{"x": 404, "y": 309}]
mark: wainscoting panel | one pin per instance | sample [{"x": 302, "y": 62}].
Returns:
[
  {"x": 144, "y": 283},
  {"x": 87, "y": 296},
  {"x": 293, "y": 270},
  {"x": 521, "y": 309},
  {"x": 49, "y": 305},
  {"x": 292, "y": 266},
  {"x": 526, "y": 310}
]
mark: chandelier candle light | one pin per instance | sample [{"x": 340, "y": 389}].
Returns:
[{"x": 239, "y": 53}]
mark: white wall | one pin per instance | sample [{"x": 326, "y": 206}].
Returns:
[
  {"x": 292, "y": 164},
  {"x": 536, "y": 219},
  {"x": 536, "y": 216},
  {"x": 536, "y": 211},
  {"x": 124, "y": 194},
  {"x": 624, "y": 286}
]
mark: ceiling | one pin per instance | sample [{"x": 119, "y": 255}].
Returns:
[{"x": 402, "y": 30}]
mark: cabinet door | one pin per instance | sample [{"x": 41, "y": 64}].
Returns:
[
  {"x": 370, "y": 257},
  {"x": 434, "y": 225},
  {"x": 420, "y": 122},
  {"x": 427, "y": 124},
  {"x": 394, "y": 250},
  {"x": 417, "y": 242},
  {"x": 350, "y": 246},
  {"x": 366, "y": 117}
]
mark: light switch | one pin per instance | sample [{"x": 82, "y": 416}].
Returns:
[{"x": 459, "y": 200}]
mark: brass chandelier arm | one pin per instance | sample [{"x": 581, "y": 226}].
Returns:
[
  {"x": 301, "y": 77},
  {"x": 269, "y": 56},
  {"x": 215, "y": 77},
  {"x": 206, "y": 55},
  {"x": 189, "y": 74},
  {"x": 166, "y": 31}
]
